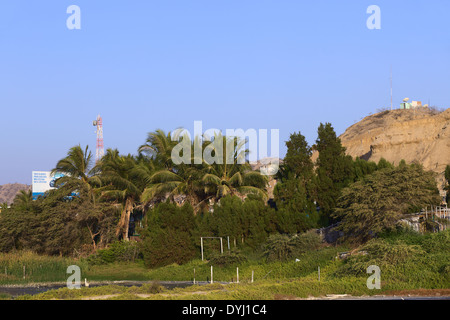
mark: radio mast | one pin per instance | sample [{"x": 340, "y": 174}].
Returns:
[{"x": 99, "y": 152}]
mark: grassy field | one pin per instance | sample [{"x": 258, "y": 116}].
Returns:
[
  {"x": 409, "y": 263},
  {"x": 24, "y": 267},
  {"x": 53, "y": 269},
  {"x": 308, "y": 263}
]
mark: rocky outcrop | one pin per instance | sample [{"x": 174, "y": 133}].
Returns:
[
  {"x": 419, "y": 135},
  {"x": 8, "y": 191}
]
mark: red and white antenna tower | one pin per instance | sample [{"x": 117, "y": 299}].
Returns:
[{"x": 99, "y": 152}]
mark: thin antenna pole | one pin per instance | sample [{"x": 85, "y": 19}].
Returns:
[{"x": 391, "y": 86}]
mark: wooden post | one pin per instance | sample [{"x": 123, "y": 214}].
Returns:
[
  {"x": 221, "y": 245},
  {"x": 237, "y": 274},
  {"x": 319, "y": 272},
  {"x": 228, "y": 239}
]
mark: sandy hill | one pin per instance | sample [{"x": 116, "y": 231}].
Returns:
[
  {"x": 9, "y": 191},
  {"x": 421, "y": 135}
]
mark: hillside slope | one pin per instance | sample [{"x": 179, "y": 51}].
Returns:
[
  {"x": 421, "y": 136},
  {"x": 9, "y": 191}
]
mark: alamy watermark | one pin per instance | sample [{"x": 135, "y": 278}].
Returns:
[
  {"x": 74, "y": 280},
  {"x": 374, "y": 281},
  {"x": 374, "y": 21},
  {"x": 74, "y": 20},
  {"x": 232, "y": 148}
]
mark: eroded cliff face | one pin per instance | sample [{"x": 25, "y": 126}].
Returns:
[{"x": 420, "y": 135}]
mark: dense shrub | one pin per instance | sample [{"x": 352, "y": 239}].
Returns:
[
  {"x": 376, "y": 203},
  {"x": 280, "y": 247},
  {"x": 306, "y": 242},
  {"x": 170, "y": 235},
  {"x": 247, "y": 222},
  {"x": 228, "y": 258},
  {"x": 406, "y": 256},
  {"x": 119, "y": 251},
  {"x": 57, "y": 228}
]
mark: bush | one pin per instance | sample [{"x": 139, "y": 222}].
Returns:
[
  {"x": 166, "y": 247},
  {"x": 119, "y": 251},
  {"x": 278, "y": 248},
  {"x": 387, "y": 256},
  {"x": 437, "y": 242},
  {"x": 305, "y": 242},
  {"x": 169, "y": 238},
  {"x": 281, "y": 247},
  {"x": 229, "y": 258}
]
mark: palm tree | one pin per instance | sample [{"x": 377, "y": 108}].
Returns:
[
  {"x": 79, "y": 173},
  {"x": 3, "y": 206},
  {"x": 166, "y": 183},
  {"x": 169, "y": 180},
  {"x": 23, "y": 200},
  {"x": 159, "y": 147},
  {"x": 233, "y": 177},
  {"x": 200, "y": 182},
  {"x": 123, "y": 178}
]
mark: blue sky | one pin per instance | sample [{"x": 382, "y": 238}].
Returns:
[{"x": 144, "y": 65}]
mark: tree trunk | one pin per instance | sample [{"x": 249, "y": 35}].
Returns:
[
  {"x": 127, "y": 220},
  {"x": 123, "y": 225}
]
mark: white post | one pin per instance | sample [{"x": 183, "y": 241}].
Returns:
[
  {"x": 201, "y": 244},
  {"x": 211, "y": 274},
  {"x": 319, "y": 272},
  {"x": 253, "y": 272},
  {"x": 237, "y": 274},
  {"x": 221, "y": 245},
  {"x": 194, "y": 275},
  {"x": 228, "y": 238}
]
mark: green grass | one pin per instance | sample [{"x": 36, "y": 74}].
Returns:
[
  {"x": 308, "y": 264},
  {"x": 300, "y": 288},
  {"x": 25, "y": 267},
  {"x": 407, "y": 261}
]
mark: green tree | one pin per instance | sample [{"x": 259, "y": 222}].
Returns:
[
  {"x": 172, "y": 180},
  {"x": 23, "y": 200},
  {"x": 383, "y": 163},
  {"x": 165, "y": 183},
  {"x": 57, "y": 227},
  {"x": 447, "y": 178},
  {"x": 158, "y": 146},
  {"x": 170, "y": 235},
  {"x": 362, "y": 167},
  {"x": 123, "y": 179},
  {"x": 376, "y": 203},
  {"x": 80, "y": 174},
  {"x": 3, "y": 206},
  {"x": 294, "y": 190},
  {"x": 333, "y": 168},
  {"x": 246, "y": 222},
  {"x": 233, "y": 175}
]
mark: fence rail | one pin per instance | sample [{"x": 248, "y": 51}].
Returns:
[{"x": 415, "y": 219}]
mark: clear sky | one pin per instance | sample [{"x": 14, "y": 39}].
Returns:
[{"x": 144, "y": 65}]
